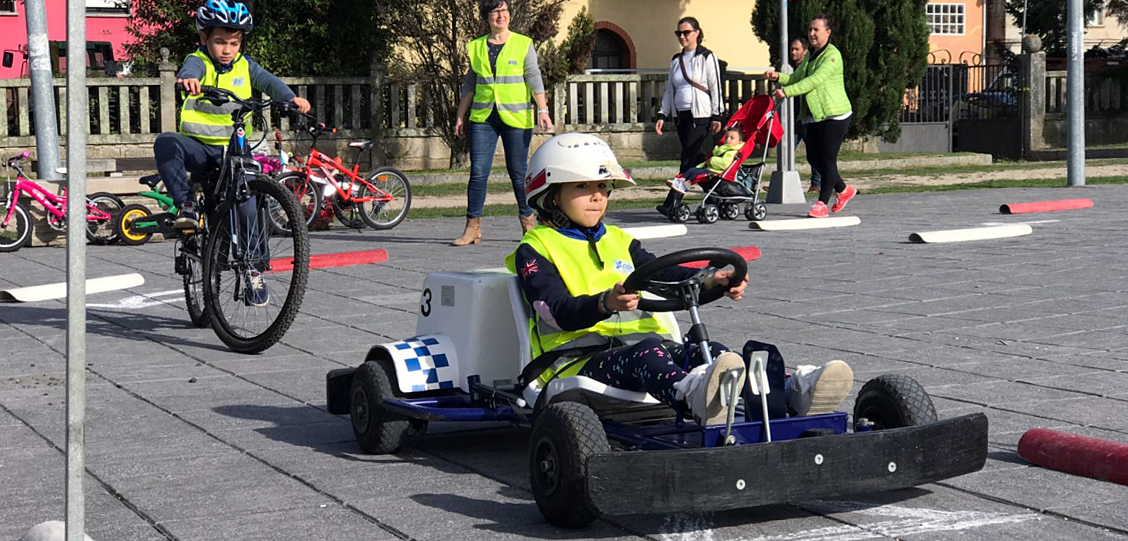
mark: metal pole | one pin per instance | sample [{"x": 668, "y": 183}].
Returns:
[
  {"x": 42, "y": 94},
  {"x": 1076, "y": 94},
  {"x": 77, "y": 106},
  {"x": 786, "y": 154}
]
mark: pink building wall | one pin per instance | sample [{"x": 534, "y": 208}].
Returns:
[{"x": 99, "y": 27}]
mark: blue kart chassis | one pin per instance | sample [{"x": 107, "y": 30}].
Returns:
[{"x": 686, "y": 468}]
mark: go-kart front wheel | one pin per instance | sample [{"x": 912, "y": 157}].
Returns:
[
  {"x": 377, "y": 430},
  {"x": 565, "y": 436},
  {"x": 894, "y": 401}
]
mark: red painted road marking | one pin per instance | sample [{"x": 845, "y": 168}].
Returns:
[
  {"x": 1081, "y": 455},
  {"x": 1046, "y": 206},
  {"x": 343, "y": 259},
  {"x": 749, "y": 253}
]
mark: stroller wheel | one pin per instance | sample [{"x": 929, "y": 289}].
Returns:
[
  {"x": 756, "y": 212},
  {"x": 680, "y": 214},
  {"x": 729, "y": 211},
  {"x": 708, "y": 214}
]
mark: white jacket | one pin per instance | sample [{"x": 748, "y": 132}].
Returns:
[{"x": 706, "y": 72}]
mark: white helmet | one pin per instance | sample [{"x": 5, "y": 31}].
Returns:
[{"x": 571, "y": 157}]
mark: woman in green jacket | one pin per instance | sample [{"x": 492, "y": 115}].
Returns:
[{"x": 826, "y": 111}]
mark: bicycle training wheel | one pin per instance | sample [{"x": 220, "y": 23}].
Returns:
[
  {"x": 392, "y": 200},
  {"x": 15, "y": 234},
  {"x": 308, "y": 195},
  {"x": 253, "y": 287},
  {"x": 103, "y": 231}
]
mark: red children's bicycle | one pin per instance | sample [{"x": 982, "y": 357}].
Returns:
[
  {"x": 381, "y": 199},
  {"x": 15, "y": 220}
]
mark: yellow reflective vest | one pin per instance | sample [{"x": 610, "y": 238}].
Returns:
[
  {"x": 505, "y": 90},
  {"x": 210, "y": 123},
  {"x": 577, "y": 266}
]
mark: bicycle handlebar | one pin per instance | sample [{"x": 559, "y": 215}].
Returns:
[
  {"x": 221, "y": 96},
  {"x": 21, "y": 157}
]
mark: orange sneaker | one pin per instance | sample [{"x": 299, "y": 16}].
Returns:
[
  {"x": 843, "y": 198},
  {"x": 819, "y": 210}
]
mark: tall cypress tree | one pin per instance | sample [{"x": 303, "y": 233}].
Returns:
[{"x": 884, "y": 46}]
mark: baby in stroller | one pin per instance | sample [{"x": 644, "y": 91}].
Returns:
[
  {"x": 723, "y": 156},
  {"x": 726, "y": 179}
]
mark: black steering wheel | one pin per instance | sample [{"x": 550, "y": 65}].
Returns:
[{"x": 686, "y": 293}]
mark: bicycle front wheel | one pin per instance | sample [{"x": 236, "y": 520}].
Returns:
[
  {"x": 392, "y": 199},
  {"x": 102, "y": 230},
  {"x": 17, "y": 231},
  {"x": 254, "y": 281},
  {"x": 308, "y": 195}
]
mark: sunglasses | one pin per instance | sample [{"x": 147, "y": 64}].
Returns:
[{"x": 683, "y": 33}]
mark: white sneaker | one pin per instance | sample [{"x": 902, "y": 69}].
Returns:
[
  {"x": 701, "y": 388},
  {"x": 818, "y": 390},
  {"x": 678, "y": 184}
]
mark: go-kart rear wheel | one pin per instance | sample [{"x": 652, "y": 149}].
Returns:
[
  {"x": 756, "y": 212},
  {"x": 377, "y": 430},
  {"x": 894, "y": 401},
  {"x": 708, "y": 214},
  {"x": 680, "y": 215},
  {"x": 730, "y": 211},
  {"x": 565, "y": 435}
]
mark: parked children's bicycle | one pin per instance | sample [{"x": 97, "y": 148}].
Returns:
[
  {"x": 380, "y": 199},
  {"x": 15, "y": 227},
  {"x": 244, "y": 281}
]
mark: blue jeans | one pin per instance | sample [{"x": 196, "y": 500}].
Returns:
[
  {"x": 483, "y": 143},
  {"x": 177, "y": 155}
]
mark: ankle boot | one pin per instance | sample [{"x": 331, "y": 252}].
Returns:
[
  {"x": 527, "y": 222},
  {"x": 471, "y": 235}
]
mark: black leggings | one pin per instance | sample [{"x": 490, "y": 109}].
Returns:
[
  {"x": 648, "y": 366},
  {"x": 692, "y": 133},
  {"x": 824, "y": 139}
]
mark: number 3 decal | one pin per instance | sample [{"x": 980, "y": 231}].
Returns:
[{"x": 425, "y": 308}]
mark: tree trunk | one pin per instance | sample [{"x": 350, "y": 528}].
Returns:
[{"x": 995, "y": 28}]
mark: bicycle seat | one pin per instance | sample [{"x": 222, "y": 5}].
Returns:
[
  {"x": 362, "y": 145},
  {"x": 150, "y": 180}
]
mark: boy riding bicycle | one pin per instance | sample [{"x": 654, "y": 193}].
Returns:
[{"x": 205, "y": 128}]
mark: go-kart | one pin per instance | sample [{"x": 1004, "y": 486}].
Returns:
[{"x": 597, "y": 450}]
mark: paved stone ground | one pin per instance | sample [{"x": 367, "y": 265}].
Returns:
[{"x": 187, "y": 441}]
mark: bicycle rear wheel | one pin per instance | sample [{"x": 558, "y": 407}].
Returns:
[
  {"x": 193, "y": 274},
  {"x": 104, "y": 231},
  {"x": 396, "y": 189},
  {"x": 254, "y": 282},
  {"x": 308, "y": 195},
  {"x": 17, "y": 232}
]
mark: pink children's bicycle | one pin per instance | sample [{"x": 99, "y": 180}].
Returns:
[{"x": 15, "y": 221}]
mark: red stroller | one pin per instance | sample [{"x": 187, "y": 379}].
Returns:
[{"x": 740, "y": 182}]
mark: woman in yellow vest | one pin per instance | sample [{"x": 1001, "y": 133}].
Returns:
[
  {"x": 498, "y": 91},
  {"x": 571, "y": 270}
]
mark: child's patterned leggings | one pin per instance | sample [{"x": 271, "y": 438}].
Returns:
[{"x": 647, "y": 366}]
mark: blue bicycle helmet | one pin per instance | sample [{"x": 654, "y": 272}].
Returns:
[{"x": 224, "y": 14}]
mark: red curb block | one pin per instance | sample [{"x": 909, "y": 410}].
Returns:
[
  {"x": 1046, "y": 206},
  {"x": 1081, "y": 455},
  {"x": 343, "y": 259},
  {"x": 749, "y": 253}
]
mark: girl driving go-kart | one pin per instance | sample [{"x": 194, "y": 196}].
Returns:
[{"x": 571, "y": 270}]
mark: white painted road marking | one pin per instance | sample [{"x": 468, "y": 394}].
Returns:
[
  {"x": 137, "y": 302},
  {"x": 905, "y": 521}
]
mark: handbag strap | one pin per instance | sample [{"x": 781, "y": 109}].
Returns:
[{"x": 694, "y": 84}]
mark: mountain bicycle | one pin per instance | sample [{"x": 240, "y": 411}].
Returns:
[
  {"x": 251, "y": 282},
  {"x": 15, "y": 227},
  {"x": 380, "y": 199}
]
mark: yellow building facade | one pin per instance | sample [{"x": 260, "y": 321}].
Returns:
[{"x": 644, "y": 31}]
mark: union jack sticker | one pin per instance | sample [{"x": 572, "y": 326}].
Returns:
[{"x": 530, "y": 267}]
